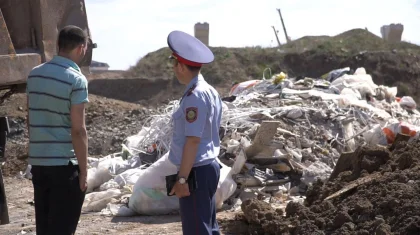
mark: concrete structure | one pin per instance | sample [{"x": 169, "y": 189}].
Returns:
[
  {"x": 98, "y": 66},
  {"x": 201, "y": 31},
  {"x": 392, "y": 33}
]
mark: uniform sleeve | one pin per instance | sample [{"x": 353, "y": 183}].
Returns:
[
  {"x": 79, "y": 93},
  {"x": 195, "y": 111}
]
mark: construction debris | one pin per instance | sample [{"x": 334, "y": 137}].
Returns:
[{"x": 278, "y": 137}]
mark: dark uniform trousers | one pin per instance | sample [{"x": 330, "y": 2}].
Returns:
[
  {"x": 58, "y": 199},
  {"x": 198, "y": 211}
]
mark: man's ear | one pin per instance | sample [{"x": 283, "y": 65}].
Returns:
[
  {"x": 80, "y": 49},
  {"x": 183, "y": 67}
]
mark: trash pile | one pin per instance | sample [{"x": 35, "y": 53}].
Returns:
[{"x": 279, "y": 136}]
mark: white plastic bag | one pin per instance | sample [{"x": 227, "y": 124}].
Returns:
[
  {"x": 408, "y": 103},
  {"x": 149, "y": 193}
]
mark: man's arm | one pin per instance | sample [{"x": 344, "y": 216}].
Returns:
[
  {"x": 195, "y": 121},
  {"x": 188, "y": 156},
  {"x": 79, "y": 97},
  {"x": 79, "y": 136}
]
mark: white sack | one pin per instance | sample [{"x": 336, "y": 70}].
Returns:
[
  {"x": 149, "y": 193},
  {"x": 95, "y": 202},
  {"x": 128, "y": 177},
  {"x": 106, "y": 168}
]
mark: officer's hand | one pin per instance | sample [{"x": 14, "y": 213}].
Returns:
[{"x": 180, "y": 190}]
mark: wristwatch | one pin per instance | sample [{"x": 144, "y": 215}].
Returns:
[{"x": 182, "y": 180}]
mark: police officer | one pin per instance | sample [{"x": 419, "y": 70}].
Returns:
[{"x": 195, "y": 142}]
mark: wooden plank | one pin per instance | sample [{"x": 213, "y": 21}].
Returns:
[{"x": 354, "y": 185}]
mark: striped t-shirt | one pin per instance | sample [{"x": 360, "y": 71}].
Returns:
[{"x": 52, "y": 88}]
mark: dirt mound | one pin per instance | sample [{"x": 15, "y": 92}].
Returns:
[
  {"x": 108, "y": 123},
  {"x": 137, "y": 90},
  {"x": 388, "y": 63},
  {"x": 382, "y": 200}
]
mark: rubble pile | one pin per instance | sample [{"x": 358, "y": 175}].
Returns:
[
  {"x": 278, "y": 137},
  {"x": 361, "y": 200}
]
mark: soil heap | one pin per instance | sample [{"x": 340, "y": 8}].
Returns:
[
  {"x": 108, "y": 123},
  {"x": 379, "y": 195},
  {"x": 388, "y": 63}
]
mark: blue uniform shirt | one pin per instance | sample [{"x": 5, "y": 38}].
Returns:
[
  {"x": 52, "y": 88},
  {"x": 199, "y": 114}
]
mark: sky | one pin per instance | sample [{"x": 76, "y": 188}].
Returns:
[{"x": 126, "y": 30}]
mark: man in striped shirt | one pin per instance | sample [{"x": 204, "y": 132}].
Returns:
[{"x": 58, "y": 146}]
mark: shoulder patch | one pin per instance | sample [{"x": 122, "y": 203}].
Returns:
[{"x": 191, "y": 114}]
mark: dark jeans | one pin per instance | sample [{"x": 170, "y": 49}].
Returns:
[
  {"x": 198, "y": 211},
  {"x": 58, "y": 199}
]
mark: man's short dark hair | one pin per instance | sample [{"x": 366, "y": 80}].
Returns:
[
  {"x": 193, "y": 69},
  {"x": 71, "y": 37}
]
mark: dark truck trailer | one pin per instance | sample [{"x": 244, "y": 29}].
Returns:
[{"x": 28, "y": 37}]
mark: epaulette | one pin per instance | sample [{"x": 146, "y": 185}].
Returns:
[{"x": 190, "y": 91}]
